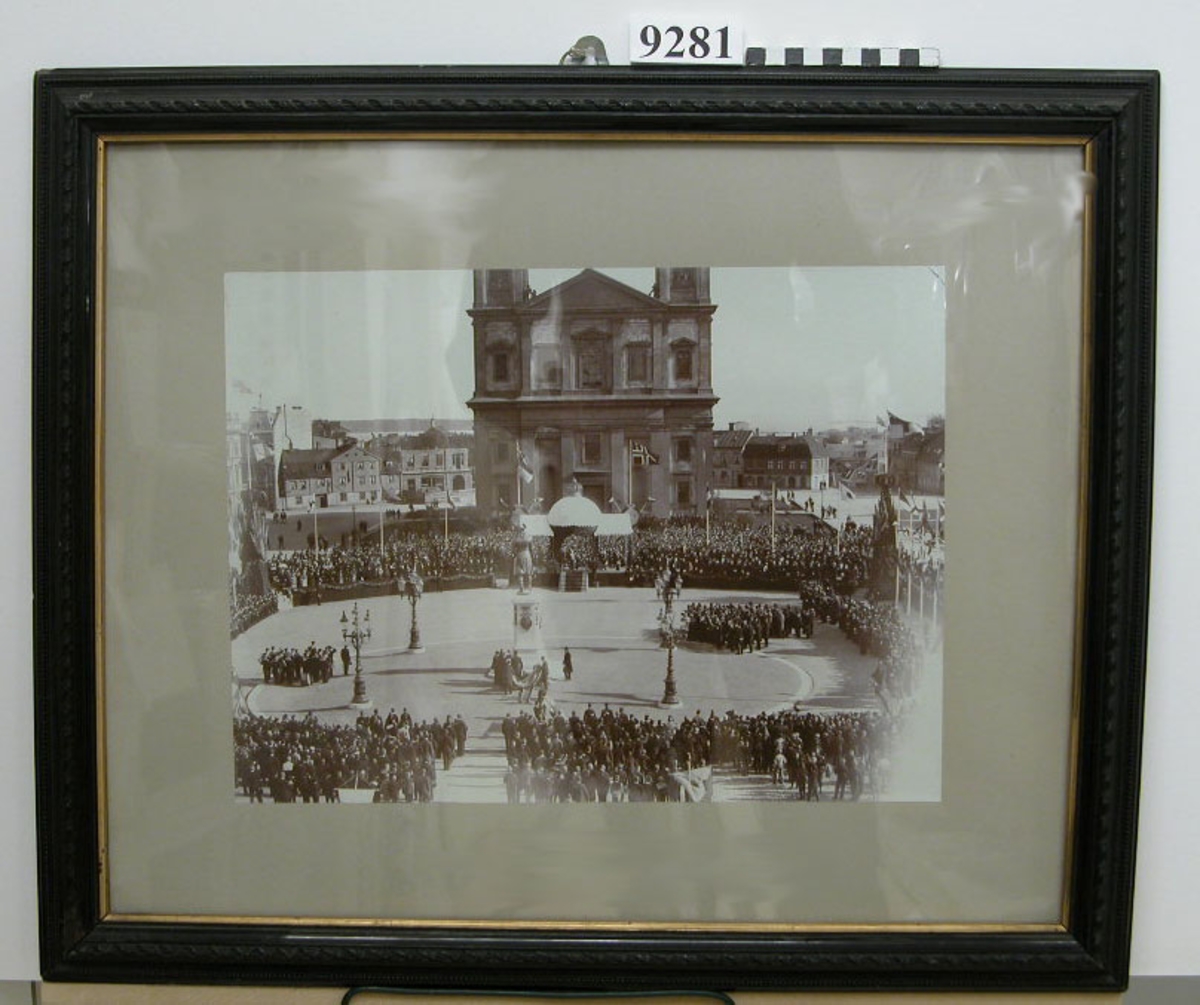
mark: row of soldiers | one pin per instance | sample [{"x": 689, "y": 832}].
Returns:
[
  {"x": 808, "y": 751},
  {"x": 291, "y": 759},
  {"x": 289, "y": 666},
  {"x": 599, "y": 756},
  {"x": 612, "y": 756},
  {"x": 746, "y": 626},
  {"x": 544, "y": 781}
]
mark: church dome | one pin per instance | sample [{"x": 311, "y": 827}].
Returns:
[
  {"x": 574, "y": 511},
  {"x": 433, "y": 438}
]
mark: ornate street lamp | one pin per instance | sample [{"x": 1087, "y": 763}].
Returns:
[
  {"x": 670, "y": 590},
  {"x": 414, "y": 586},
  {"x": 355, "y": 633}
]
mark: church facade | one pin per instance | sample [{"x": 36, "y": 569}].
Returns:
[{"x": 596, "y": 382}]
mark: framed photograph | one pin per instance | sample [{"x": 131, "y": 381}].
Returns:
[{"x": 592, "y": 528}]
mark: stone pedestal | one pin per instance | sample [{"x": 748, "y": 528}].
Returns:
[
  {"x": 527, "y": 625},
  {"x": 527, "y": 635}
]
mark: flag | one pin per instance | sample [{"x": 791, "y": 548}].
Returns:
[
  {"x": 450, "y": 500},
  {"x": 694, "y": 785},
  {"x": 640, "y": 454},
  {"x": 523, "y": 468}
]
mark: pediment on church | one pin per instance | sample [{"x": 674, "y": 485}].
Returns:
[{"x": 592, "y": 290}]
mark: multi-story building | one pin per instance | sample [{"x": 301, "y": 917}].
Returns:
[
  {"x": 728, "y": 447},
  {"x": 785, "y": 461},
  {"x": 596, "y": 382},
  {"x": 915, "y": 456},
  {"x": 431, "y": 466},
  {"x": 337, "y": 476}
]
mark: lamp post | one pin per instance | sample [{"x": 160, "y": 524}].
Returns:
[
  {"x": 414, "y": 586},
  {"x": 355, "y": 633},
  {"x": 666, "y": 620}
]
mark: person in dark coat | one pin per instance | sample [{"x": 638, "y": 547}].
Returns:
[{"x": 568, "y": 667}]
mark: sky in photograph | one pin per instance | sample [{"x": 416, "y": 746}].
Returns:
[{"x": 793, "y": 348}]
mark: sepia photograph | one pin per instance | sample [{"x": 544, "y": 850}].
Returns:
[
  {"x": 604, "y": 535},
  {"x": 496, "y": 449}
]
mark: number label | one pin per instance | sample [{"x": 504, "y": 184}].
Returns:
[{"x": 674, "y": 40}]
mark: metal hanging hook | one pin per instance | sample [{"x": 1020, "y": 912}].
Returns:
[{"x": 587, "y": 51}]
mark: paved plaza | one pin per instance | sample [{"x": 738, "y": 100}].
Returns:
[{"x": 614, "y": 638}]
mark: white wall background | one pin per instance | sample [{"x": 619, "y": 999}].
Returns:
[{"x": 1160, "y": 34}]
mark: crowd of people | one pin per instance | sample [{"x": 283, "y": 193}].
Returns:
[
  {"x": 436, "y": 556},
  {"x": 746, "y": 626},
  {"x": 295, "y": 668},
  {"x": 292, "y": 759},
  {"x": 735, "y": 555},
  {"x": 877, "y": 629},
  {"x": 613, "y": 756},
  {"x": 509, "y": 675},
  {"x": 726, "y": 552},
  {"x": 247, "y": 609},
  {"x": 599, "y": 756},
  {"x": 604, "y": 755},
  {"x": 841, "y": 756}
]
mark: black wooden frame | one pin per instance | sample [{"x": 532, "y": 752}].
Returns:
[{"x": 1118, "y": 111}]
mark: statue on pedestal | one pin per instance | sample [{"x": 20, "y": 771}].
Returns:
[{"x": 522, "y": 561}]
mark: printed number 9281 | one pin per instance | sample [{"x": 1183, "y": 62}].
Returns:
[{"x": 698, "y": 44}]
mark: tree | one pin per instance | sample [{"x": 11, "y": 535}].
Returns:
[{"x": 884, "y": 557}]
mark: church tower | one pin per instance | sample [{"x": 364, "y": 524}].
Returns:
[{"x": 597, "y": 382}]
